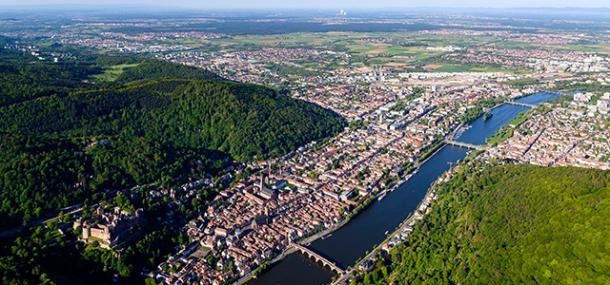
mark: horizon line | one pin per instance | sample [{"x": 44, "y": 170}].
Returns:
[{"x": 284, "y": 8}]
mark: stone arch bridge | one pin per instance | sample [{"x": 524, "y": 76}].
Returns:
[{"x": 318, "y": 258}]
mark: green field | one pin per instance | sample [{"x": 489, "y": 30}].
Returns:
[
  {"x": 361, "y": 44},
  {"x": 113, "y": 72},
  {"x": 456, "y": 67}
]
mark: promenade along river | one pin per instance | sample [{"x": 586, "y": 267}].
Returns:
[{"x": 366, "y": 230}]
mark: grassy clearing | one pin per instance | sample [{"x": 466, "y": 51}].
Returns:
[{"x": 113, "y": 72}]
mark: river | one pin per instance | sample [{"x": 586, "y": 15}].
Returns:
[{"x": 368, "y": 229}]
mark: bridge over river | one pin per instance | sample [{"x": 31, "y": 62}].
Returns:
[
  {"x": 355, "y": 239},
  {"x": 464, "y": 145},
  {"x": 521, "y": 104},
  {"x": 318, "y": 258}
]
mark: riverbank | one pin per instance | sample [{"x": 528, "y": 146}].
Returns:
[
  {"x": 329, "y": 231},
  {"x": 404, "y": 229},
  {"x": 503, "y": 237},
  {"x": 347, "y": 245},
  {"x": 353, "y": 241},
  {"x": 261, "y": 269},
  {"x": 410, "y": 189},
  {"x": 422, "y": 209}
]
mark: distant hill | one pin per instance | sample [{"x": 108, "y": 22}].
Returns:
[
  {"x": 509, "y": 224},
  {"x": 152, "y": 122},
  {"x": 150, "y": 69},
  {"x": 24, "y": 77},
  {"x": 241, "y": 119}
]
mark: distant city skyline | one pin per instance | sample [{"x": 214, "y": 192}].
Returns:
[{"x": 321, "y": 4}]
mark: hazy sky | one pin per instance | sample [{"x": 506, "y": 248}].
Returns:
[{"x": 263, "y": 4}]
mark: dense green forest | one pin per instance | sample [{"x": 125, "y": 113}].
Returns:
[
  {"x": 23, "y": 77},
  {"x": 153, "y": 69},
  {"x": 241, "y": 119},
  {"x": 40, "y": 255},
  {"x": 509, "y": 224},
  {"x": 73, "y": 131},
  {"x": 65, "y": 138}
]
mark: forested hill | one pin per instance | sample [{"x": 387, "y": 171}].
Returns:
[
  {"x": 154, "y": 69},
  {"x": 510, "y": 224},
  {"x": 109, "y": 123},
  {"x": 24, "y": 77},
  {"x": 243, "y": 120}
]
